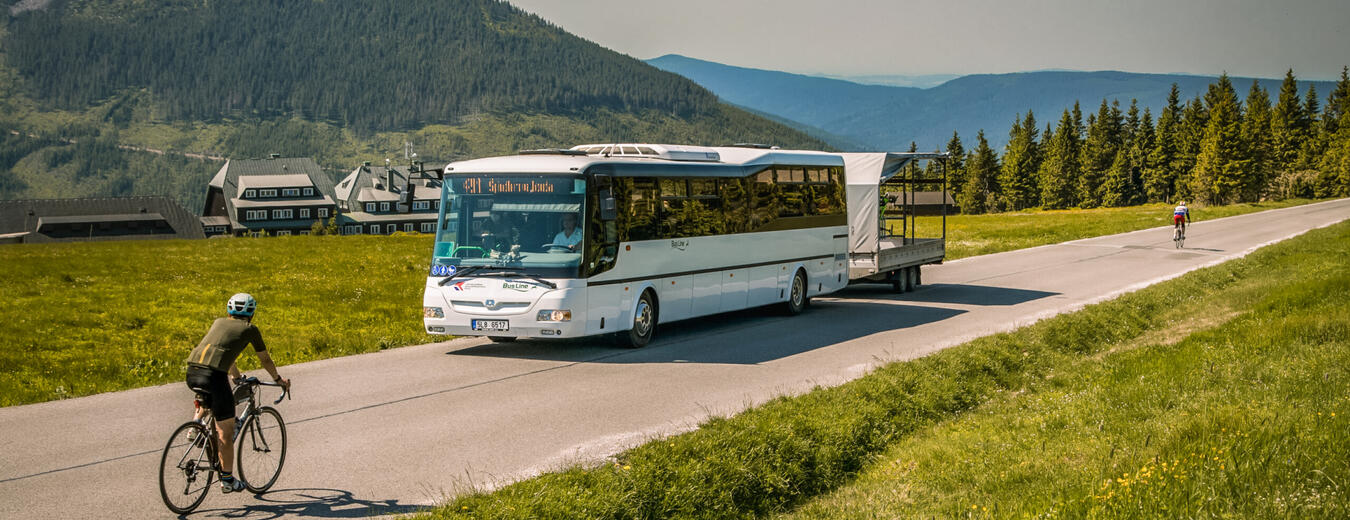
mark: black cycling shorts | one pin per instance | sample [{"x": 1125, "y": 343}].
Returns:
[{"x": 214, "y": 386}]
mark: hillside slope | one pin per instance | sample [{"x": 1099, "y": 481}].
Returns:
[
  {"x": 83, "y": 80},
  {"x": 890, "y": 118}
]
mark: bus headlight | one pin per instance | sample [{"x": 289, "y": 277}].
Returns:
[
  {"x": 563, "y": 315},
  {"x": 432, "y": 312}
]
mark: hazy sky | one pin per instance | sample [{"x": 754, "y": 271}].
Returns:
[{"x": 1243, "y": 37}]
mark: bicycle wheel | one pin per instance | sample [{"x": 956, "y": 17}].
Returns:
[
  {"x": 261, "y": 449},
  {"x": 186, "y": 468}
]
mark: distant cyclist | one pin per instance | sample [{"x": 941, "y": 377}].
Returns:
[
  {"x": 212, "y": 360},
  {"x": 1180, "y": 216}
]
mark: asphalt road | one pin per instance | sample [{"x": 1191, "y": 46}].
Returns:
[{"x": 394, "y": 431}]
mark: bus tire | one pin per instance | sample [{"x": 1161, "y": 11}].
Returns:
[
  {"x": 502, "y": 339},
  {"x": 644, "y": 323},
  {"x": 797, "y": 300}
]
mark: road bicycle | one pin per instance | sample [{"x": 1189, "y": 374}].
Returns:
[
  {"x": 1179, "y": 235},
  {"x": 189, "y": 463}
]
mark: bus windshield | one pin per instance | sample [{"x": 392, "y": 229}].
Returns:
[{"x": 530, "y": 224}]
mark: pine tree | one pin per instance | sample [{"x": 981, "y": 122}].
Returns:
[
  {"x": 1161, "y": 171},
  {"x": 1219, "y": 169},
  {"x": 956, "y": 166},
  {"x": 1287, "y": 123},
  {"x": 1059, "y": 171},
  {"x": 1334, "y": 168},
  {"x": 1256, "y": 139},
  {"x": 1194, "y": 118},
  {"x": 1334, "y": 178},
  {"x": 1338, "y": 106},
  {"x": 1021, "y": 160},
  {"x": 1099, "y": 150},
  {"x": 1314, "y": 144},
  {"x": 981, "y": 179}
]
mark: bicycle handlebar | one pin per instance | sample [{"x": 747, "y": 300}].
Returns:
[{"x": 250, "y": 380}]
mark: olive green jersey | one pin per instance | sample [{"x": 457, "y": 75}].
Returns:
[{"x": 224, "y": 342}]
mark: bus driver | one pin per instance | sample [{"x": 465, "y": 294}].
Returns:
[{"x": 570, "y": 236}]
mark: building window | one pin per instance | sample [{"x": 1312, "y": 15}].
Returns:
[
  {"x": 428, "y": 227},
  {"x": 304, "y": 212},
  {"x": 323, "y": 212},
  {"x": 309, "y": 192},
  {"x": 408, "y": 227},
  {"x": 248, "y": 194},
  {"x": 390, "y": 228},
  {"x": 384, "y": 206},
  {"x": 374, "y": 229},
  {"x": 421, "y": 204},
  {"x": 304, "y": 232},
  {"x": 255, "y": 214},
  {"x": 290, "y": 192},
  {"x": 279, "y": 214},
  {"x": 284, "y": 233},
  {"x": 267, "y": 193},
  {"x": 351, "y": 230},
  {"x": 370, "y": 207}
]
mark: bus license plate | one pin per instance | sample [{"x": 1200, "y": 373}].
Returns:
[{"x": 490, "y": 325}]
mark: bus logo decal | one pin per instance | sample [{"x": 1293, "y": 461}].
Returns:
[{"x": 679, "y": 244}]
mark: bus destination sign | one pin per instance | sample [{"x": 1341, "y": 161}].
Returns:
[{"x": 514, "y": 185}]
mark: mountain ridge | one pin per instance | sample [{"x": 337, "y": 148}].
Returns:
[
  {"x": 86, "y": 84},
  {"x": 883, "y": 117}
]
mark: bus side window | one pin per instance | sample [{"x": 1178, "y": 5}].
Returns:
[
  {"x": 637, "y": 199},
  {"x": 735, "y": 204},
  {"x": 764, "y": 203},
  {"x": 674, "y": 195},
  {"x": 793, "y": 191}
]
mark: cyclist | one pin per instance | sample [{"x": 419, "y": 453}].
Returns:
[
  {"x": 207, "y": 368},
  {"x": 1180, "y": 216}
]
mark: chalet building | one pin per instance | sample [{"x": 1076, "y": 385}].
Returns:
[
  {"x": 92, "y": 219},
  {"x": 279, "y": 196},
  {"x": 378, "y": 200}
]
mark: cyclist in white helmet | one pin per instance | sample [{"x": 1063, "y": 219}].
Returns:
[
  {"x": 1180, "y": 216},
  {"x": 212, "y": 360}
]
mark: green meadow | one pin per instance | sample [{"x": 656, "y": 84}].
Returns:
[
  {"x": 84, "y": 318},
  {"x": 971, "y": 235},
  {"x": 1219, "y": 394}
]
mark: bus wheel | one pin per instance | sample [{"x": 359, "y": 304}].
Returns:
[
  {"x": 797, "y": 300},
  {"x": 502, "y": 339},
  {"x": 644, "y": 323}
]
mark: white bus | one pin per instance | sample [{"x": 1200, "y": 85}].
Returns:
[{"x": 663, "y": 233}]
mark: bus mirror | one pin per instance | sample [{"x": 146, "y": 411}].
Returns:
[{"x": 608, "y": 211}]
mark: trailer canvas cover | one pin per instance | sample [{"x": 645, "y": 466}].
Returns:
[{"x": 863, "y": 174}]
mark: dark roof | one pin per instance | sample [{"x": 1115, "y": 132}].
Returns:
[
  {"x": 365, "y": 179},
  {"x": 18, "y": 216},
  {"x": 227, "y": 179},
  {"x": 87, "y": 219},
  {"x": 360, "y": 217}
]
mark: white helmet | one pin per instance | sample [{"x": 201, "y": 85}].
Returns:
[{"x": 241, "y": 304}]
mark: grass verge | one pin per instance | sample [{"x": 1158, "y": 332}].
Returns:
[{"x": 1208, "y": 395}]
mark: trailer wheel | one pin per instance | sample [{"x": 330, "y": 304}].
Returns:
[
  {"x": 900, "y": 281},
  {"x": 917, "y": 279}
]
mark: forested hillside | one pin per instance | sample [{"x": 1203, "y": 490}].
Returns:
[
  {"x": 1220, "y": 147},
  {"x": 338, "y": 81},
  {"x": 884, "y": 117}
]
